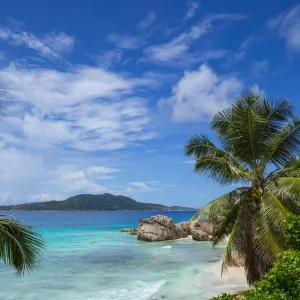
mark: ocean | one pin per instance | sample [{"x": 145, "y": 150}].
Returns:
[{"x": 88, "y": 258}]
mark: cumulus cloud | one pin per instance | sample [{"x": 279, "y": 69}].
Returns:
[
  {"x": 287, "y": 25},
  {"x": 51, "y": 46},
  {"x": 200, "y": 93}
]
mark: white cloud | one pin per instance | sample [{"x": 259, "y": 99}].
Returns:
[
  {"x": 259, "y": 68},
  {"x": 60, "y": 42},
  {"x": 288, "y": 26},
  {"x": 21, "y": 175},
  {"x": 26, "y": 177},
  {"x": 246, "y": 45},
  {"x": 147, "y": 22},
  {"x": 73, "y": 179},
  {"x": 51, "y": 46},
  {"x": 255, "y": 88},
  {"x": 242, "y": 50},
  {"x": 201, "y": 93},
  {"x": 125, "y": 41},
  {"x": 136, "y": 39},
  {"x": 193, "y": 6},
  {"x": 86, "y": 109},
  {"x": 147, "y": 186},
  {"x": 108, "y": 58},
  {"x": 189, "y": 162},
  {"x": 49, "y": 89},
  {"x": 178, "y": 46},
  {"x": 176, "y": 52}
]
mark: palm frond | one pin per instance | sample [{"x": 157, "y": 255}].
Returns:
[
  {"x": 285, "y": 144},
  {"x": 276, "y": 114},
  {"x": 218, "y": 207},
  {"x": 222, "y": 121},
  {"x": 225, "y": 226},
  {"x": 222, "y": 169},
  {"x": 248, "y": 242},
  {"x": 237, "y": 240},
  {"x": 20, "y": 246},
  {"x": 218, "y": 164},
  {"x": 200, "y": 145},
  {"x": 245, "y": 136},
  {"x": 270, "y": 215},
  {"x": 286, "y": 187}
]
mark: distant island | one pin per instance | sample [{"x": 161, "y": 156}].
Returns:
[{"x": 91, "y": 202}]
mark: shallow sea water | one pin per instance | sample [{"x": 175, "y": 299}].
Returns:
[{"x": 88, "y": 258}]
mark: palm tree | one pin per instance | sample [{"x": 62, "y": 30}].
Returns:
[
  {"x": 20, "y": 246},
  {"x": 259, "y": 145}
]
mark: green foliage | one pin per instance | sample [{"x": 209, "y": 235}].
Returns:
[
  {"x": 20, "y": 246},
  {"x": 282, "y": 282},
  {"x": 92, "y": 202},
  {"x": 223, "y": 297},
  {"x": 292, "y": 231},
  {"x": 256, "y": 136}
]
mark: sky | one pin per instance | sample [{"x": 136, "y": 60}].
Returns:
[{"x": 103, "y": 94}]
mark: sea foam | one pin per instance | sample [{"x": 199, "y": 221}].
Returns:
[{"x": 140, "y": 290}]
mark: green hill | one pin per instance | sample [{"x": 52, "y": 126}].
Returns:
[{"x": 92, "y": 202}]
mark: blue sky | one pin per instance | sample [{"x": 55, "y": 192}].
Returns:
[{"x": 103, "y": 95}]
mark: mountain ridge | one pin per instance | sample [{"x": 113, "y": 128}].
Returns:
[{"x": 90, "y": 202}]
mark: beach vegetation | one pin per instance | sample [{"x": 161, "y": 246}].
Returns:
[{"x": 257, "y": 155}]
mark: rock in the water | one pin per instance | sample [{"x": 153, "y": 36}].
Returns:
[
  {"x": 132, "y": 231},
  {"x": 206, "y": 226},
  {"x": 200, "y": 235},
  {"x": 183, "y": 229},
  {"x": 201, "y": 230},
  {"x": 157, "y": 228},
  {"x": 162, "y": 228}
]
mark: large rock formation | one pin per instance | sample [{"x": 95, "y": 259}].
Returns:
[
  {"x": 162, "y": 228},
  {"x": 201, "y": 230},
  {"x": 183, "y": 229},
  {"x": 206, "y": 226},
  {"x": 157, "y": 228}
]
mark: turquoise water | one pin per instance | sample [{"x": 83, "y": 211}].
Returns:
[{"x": 88, "y": 258}]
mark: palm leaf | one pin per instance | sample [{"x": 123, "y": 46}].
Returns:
[
  {"x": 216, "y": 208},
  {"x": 224, "y": 170},
  {"x": 285, "y": 144},
  {"x": 200, "y": 145},
  {"x": 270, "y": 215},
  {"x": 286, "y": 187},
  {"x": 20, "y": 246},
  {"x": 225, "y": 226}
]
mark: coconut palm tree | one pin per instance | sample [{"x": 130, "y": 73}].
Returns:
[
  {"x": 20, "y": 246},
  {"x": 259, "y": 145}
]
